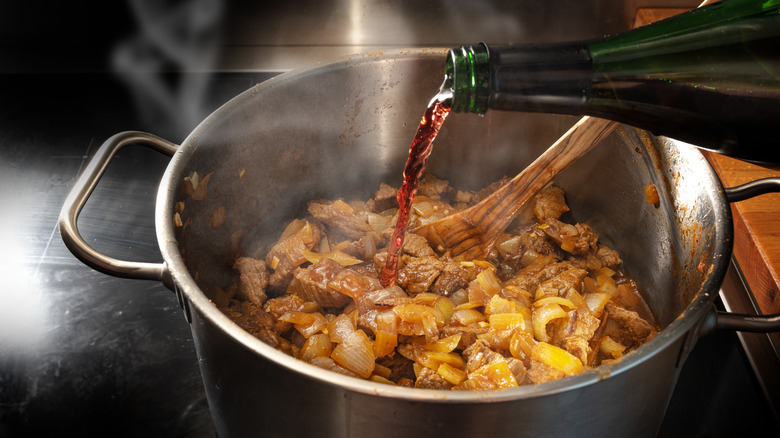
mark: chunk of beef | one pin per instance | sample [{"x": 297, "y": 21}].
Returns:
[
  {"x": 529, "y": 280},
  {"x": 253, "y": 279},
  {"x": 364, "y": 248},
  {"x": 286, "y": 254},
  {"x": 453, "y": 276},
  {"x": 550, "y": 203},
  {"x": 419, "y": 273},
  {"x": 339, "y": 216},
  {"x": 259, "y": 324},
  {"x": 627, "y": 327},
  {"x": 518, "y": 369},
  {"x": 560, "y": 284},
  {"x": 430, "y": 379},
  {"x": 311, "y": 284},
  {"x": 417, "y": 246},
  {"x": 478, "y": 355},
  {"x": 575, "y": 239},
  {"x": 539, "y": 372},
  {"x": 435, "y": 188},
  {"x": 400, "y": 367},
  {"x": 580, "y": 330},
  {"x": 384, "y": 199},
  {"x": 608, "y": 256}
]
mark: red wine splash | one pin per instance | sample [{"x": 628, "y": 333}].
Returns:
[{"x": 415, "y": 166}]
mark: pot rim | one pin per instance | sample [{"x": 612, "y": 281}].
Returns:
[{"x": 688, "y": 321}]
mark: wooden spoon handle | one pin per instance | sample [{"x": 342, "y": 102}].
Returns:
[{"x": 471, "y": 232}]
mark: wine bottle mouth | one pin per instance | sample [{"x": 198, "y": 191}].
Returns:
[{"x": 468, "y": 76}]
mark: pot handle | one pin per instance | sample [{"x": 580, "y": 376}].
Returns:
[
  {"x": 753, "y": 189},
  {"x": 81, "y": 192},
  {"x": 744, "y": 322}
]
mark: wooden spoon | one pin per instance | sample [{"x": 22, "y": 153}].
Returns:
[{"x": 471, "y": 233}]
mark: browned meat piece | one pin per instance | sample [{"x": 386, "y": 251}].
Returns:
[
  {"x": 529, "y": 281},
  {"x": 575, "y": 239},
  {"x": 627, "y": 327},
  {"x": 540, "y": 373},
  {"x": 560, "y": 284},
  {"x": 252, "y": 280},
  {"x": 550, "y": 203},
  {"x": 535, "y": 239},
  {"x": 430, "y": 379},
  {"x": 278, "y": 306},
  {"x": 479, "y": 354},
  {"x": 401, "y": 367},
  {"x": 366, "y": 247},
  {"x": 419, "y": 273},
  {"x": 435, "y": 188},
  {"x": 311, "y": 284},
  {"x": 518, "y": 369},
  {"x": 608, "y": 256},
  {"x": 259, "y": 324},
  {"x": 286, "y": 254},
  {"x": 340, "y": 217},
  {"x": 384, "y": 199},
  {"x": 417, "y": 246},
  {"x": 580, "y": 331},
  {"x": 468, "y": 334},
  {"x": 453, "y": 276}
]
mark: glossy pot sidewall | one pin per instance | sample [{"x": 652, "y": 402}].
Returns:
[{"x": 333, "y": 131}]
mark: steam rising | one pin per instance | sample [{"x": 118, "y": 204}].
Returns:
[{"x": 168, "y": 64}]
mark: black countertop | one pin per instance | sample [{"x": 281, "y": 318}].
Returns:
[{"x": 85, "y": 354}]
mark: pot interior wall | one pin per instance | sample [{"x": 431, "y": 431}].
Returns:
[{"x": 340, "y": 130}]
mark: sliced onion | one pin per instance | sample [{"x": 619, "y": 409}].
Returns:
[
  {"x": 355, "y": 353},
  {"x": 451, "y": 374},
  {"x": 611, "y": 347},
  {"x": 467, "y": 316},
  {"x": 507, "y": 321},
  {"x": 339, "y": 257},
  {"x": 318, "y": 345},
  {"x": 557, "y": 358},
  {"x": 541, "y": 316},
  {"x": 489, "y": 282},
  {"x": 556, "y": 300},
  {"x": 444, "y": 345},
  {"x": 596, "y": 302},
  {"x": 522, "y": 345},
  {"x": 340, "y": 328},
  {"x": 497, "y": 372}
]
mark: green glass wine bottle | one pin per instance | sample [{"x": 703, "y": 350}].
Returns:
[{"x": 709, "y": 77}]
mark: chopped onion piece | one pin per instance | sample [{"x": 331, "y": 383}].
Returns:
[
  {"x": 556, "y": 300},
  {"x": 499, "y": 305},
  {"x": 557, "y": 358},
  {"x": 340, "y": 257},
  {"x": 507, "y": 321},
  {"x": 451, "y": 374},
  {"x": 355, "y": 353},
  {"x": 489, "y": 282},
  {"x": 498, "y": 372},
  {"x": 596, "y": 302},
  {"x": 541, "y": 316},
  {"x": 318, "y": 345},
  {"x": 467, "y": 316},
  {"x": 611, "y": 347},
  {"x": 444, "y": 345}
]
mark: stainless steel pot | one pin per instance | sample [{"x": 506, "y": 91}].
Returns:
[{"x": 340, "y": 129}]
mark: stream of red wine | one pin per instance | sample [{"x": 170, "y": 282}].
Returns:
[{"x": 415, "y": 166}]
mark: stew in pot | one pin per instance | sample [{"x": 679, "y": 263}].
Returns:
[{"x": 548, "y": 302}]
